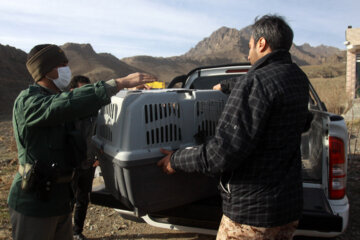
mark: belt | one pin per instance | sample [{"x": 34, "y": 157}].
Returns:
[
  {"x": 65, "y": 178},
  {"x": 24, "y": 169}
]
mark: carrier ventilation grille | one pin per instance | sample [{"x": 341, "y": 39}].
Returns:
[
  {"x": 208, "y": 113},
  {"x": 155, "y": 112},
  {"x": 111, "y": 110},
  {"x": 110, "y": 113},
  {"x": 164, "y": 134},
  {"x": 207, "y": 128},
  {"x": 162, "y": 121}
]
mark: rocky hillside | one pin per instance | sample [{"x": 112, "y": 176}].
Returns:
[
  {"x": 225, "y": 45},
  {"x": 14, "y": 76},
  {"x": 308, "y": 55},
  {"x": 165, "y": 69},
  {"x": 97, "y": 66},
  {"x": 228, "y": 45},
  {"x": 231, "y": 45}
]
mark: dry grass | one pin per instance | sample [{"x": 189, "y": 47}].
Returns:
[
  {"x": 354, "y": 133},
  {"x": 325, "y": 70},
  {"x": 329, "y": 81},
  {"x": 332, "y": 92}
]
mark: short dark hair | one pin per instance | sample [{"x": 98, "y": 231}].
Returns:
[
  {"x": 275, "y": 30},
  {"x": 78, "y": 79}
]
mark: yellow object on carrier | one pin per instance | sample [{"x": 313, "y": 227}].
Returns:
[{"x": 156, "y": 84}]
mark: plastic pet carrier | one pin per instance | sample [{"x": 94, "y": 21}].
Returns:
[{"x": 132, "y": 129}]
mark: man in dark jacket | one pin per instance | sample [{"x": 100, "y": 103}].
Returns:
[
  {"x": 84, "y": 174},
  {"x": 40, "y": 196},
  {"x": 256, "y": 147}
]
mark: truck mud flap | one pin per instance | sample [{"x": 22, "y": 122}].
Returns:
[{"x": 317, "y": 214}]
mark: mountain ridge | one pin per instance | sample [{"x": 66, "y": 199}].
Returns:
[
  {"x": 223, "y": 46},
  {"x": 226, "y": 46}
]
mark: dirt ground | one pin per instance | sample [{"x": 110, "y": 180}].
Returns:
[{"x": 105, "y": 223}]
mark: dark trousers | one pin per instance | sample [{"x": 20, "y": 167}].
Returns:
[
  {"x": 81, "y": 185},
  {"x": 40, "y": 228}
]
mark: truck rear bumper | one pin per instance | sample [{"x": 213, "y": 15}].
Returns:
[{"x": 322, "y": 218}]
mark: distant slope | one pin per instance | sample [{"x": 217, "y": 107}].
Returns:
[
  {"x": 84, "y": 60},
  {"x": 232, "y": 45},
  {"x": 307, "y": 55},
  {"x": 224, "y": 46},
  {"x": 165, "y": 69},
  {"x": 14, "y": 76}
]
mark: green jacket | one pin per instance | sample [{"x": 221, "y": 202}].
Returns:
[{"x": 39, "y": 118}]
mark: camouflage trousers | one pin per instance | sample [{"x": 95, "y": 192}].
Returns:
[{"x": 229, "y": 229}]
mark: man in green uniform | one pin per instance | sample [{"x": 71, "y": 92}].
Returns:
[{"x": 40, "y": 195}]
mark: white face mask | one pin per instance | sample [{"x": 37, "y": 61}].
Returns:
[{"x": 64, "y": 77}]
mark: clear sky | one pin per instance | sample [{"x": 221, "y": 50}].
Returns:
[{"x": 164, "y": 28}]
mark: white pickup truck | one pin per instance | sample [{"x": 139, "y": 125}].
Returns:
[{"x": 132, "y": 129}]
